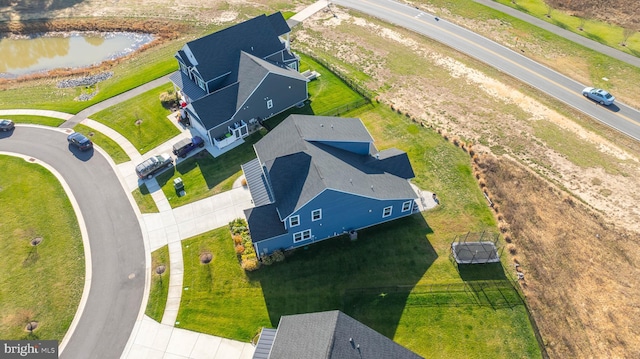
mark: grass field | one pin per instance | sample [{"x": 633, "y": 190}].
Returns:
[
  {"x": 142, "y": 120},
  {"x": 35, "y": 120},
  {"x": 159, "y": 284},
  {"x": 114, "y": 150},
  {"x": 40, "y": 283}
]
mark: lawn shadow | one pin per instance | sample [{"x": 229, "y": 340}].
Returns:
[
  {"x": 352, "y": 276},
  {"x": 81, "y": 155}
]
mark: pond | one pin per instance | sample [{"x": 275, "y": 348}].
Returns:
[{"x": 27, "y": 55}]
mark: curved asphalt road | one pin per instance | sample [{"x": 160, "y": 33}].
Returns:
[
  {"x": 619, "y": 116},
  {"x": 116, "y": 243}
]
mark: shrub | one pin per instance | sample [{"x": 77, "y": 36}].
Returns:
[
  {"x": 250, "y": 265},
  {"x": 237, "y": 239},
  {"x": 244, "y": 182},
  {"x": 169, "y": 99},
  {"x": 278, "y": 255},
  {"x": 267, "y": 260},
  {"x": 239, "y": 249}
]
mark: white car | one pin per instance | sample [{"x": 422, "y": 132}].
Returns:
[{"x": 598, "y": 95}]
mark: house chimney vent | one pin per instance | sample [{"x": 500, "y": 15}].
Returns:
[
  {"x": 377, "y": 156},
  {"x": 321, "y": 125}
]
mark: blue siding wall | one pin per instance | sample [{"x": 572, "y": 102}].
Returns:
[
  {"x": 284, "y": 92},
  {"x": 361, "y": 148},
  {"x": 341, "y": 212}
]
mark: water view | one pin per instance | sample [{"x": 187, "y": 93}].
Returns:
[{"x": 22, "y": 56}]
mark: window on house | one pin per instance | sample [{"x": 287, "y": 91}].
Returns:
[
  {"x": 302, "y": 236},
  {"x": 200, "y": 83},
  {"x": 316, "y": 215},
  {"x": 269, "y": 103},
  {"x": 294, "y": 221},
  {"x": 386, "y": 212},
  {"x": 406, "y": 206}
]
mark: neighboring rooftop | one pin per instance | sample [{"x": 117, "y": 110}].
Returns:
[{"x": 332, "y": 335}]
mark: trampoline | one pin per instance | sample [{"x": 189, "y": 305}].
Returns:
[{"x": 475, "y": 252}]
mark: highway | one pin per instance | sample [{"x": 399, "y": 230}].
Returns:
[
  {"x": 116, "y": 243},
  {"x": 619, "y": 116}
]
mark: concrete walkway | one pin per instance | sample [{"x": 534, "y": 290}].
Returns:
[{"x": 586, "y": 42}]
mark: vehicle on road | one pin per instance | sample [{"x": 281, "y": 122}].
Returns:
[
  {"x": 154, "y": 165},
  {"x": 183, "y": 147},
  {"x": 6, "y": 125},
  {"x": 598, "y": 95},
  {"x": 80, "y": 141}
]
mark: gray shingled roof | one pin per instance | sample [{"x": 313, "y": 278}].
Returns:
[
  {"x": 264, "y": 222},
  {"x": 187, "y": 85},
  {"x": 217, "y": 53},
  {"x": 219, "y": 106},
  {"x": 326, "y": 335},
  {"x": 301, "y": 162}
]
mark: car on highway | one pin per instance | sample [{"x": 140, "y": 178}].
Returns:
[
  {"x": 6, "y": 125},
  {"x": 80, "y": 141},
  {"x": 183, "y": 147},
  {"x": 154, "y": 165},
  {"x": 598, "y": 95}
]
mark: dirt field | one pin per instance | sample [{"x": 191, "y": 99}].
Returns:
[{"x": 565, "y": 186}]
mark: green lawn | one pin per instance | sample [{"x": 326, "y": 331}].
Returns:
[
  {"x": 114, "y": 150},
  {"x": 142, "y": 120},
  {"x": 159, "y": 284},
  {"x": 144, "y": 200},
  {"x": 220, "y": 299},
  {"x": 204, "y": 176},
  {"x": 40, "y": 283},
  {"x": 35, "y": 120},
  {"x": 328, "y": 91}
]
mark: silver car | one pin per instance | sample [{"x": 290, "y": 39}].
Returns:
[{"x": 598, "y": 95}]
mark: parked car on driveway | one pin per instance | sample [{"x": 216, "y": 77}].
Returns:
[
  {"x": 598, "y": 95},
  {"x": 183, "y": 147},
  {"x": 154, "y": 165},
  {"x": 6, "y": 125},
  {"x": 80, "y": 141}
]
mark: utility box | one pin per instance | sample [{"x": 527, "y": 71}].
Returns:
[{"x": 178, "y": 185}]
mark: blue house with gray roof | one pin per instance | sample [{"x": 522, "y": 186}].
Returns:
[
  {"x": 233, "y": 79},
  {"x": 317, "y": 177}
]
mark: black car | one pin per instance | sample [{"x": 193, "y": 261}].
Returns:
[
  {"x": 80, "y": 141},
  {"x": 6, "y": 125},
  {"x": 182, "y": 148}
]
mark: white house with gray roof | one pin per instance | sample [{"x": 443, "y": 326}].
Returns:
[
  {"x": 233, "y": 79},
  {"x": 317, "y": 177}
]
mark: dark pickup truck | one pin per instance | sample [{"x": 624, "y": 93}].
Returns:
[{"x": 182, "y": 148}]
